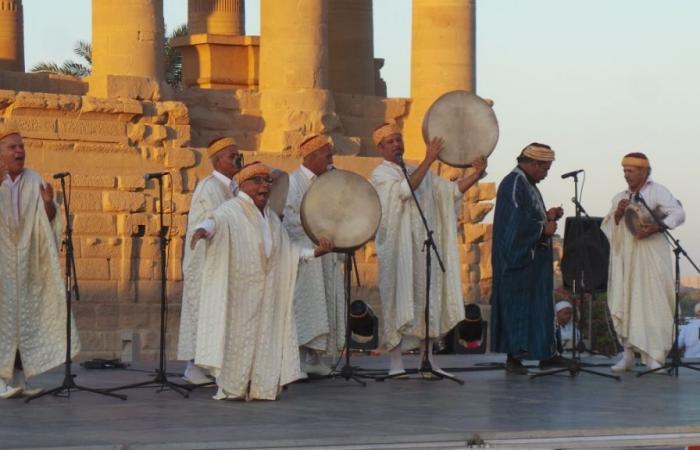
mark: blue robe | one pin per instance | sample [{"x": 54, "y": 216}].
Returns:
[{"x": 522, "y": 302}]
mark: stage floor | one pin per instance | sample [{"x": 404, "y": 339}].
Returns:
[{"x": 502, "y": 410}]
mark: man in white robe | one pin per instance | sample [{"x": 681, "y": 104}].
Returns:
[
  {"x": 210, "y": 193},
  {"x": 640, "y": 282},
  {"x": 246, "y": 332},
  {"x": 319, "y": 293},
  {"x": 399, "y": 242},
  {"x": 32, "y": 291}
]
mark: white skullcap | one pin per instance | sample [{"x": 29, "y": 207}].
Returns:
[{"x": 561, "y": 305}]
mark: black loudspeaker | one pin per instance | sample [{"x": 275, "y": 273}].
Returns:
[{"x": 586, "y": 254}]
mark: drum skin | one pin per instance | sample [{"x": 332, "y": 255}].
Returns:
[
  {"x": 637, "y": 215},
  {"x": 343, "y": 207},
  {"x": 466, "y": 123},
  {"x": 278, "y": 191}
]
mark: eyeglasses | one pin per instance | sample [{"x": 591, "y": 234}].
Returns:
[{"x": 261, "y": 179}]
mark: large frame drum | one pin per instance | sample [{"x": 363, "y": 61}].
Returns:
[
  {"x": 343, "y": 207},
  {"x": 466, "y": 123}
]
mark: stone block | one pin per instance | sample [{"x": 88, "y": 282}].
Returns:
[
  {"x": 175, "y": 113},
  {"x": 92, "y": 291},
  {"x": 34, "y": 127},
  {"x": 110, "y": 109},
  {"x": 130, "y": 183},
  {"x": 476, "y": 232},
  {"x": 177, "y": 158},
  {"x": 92, "y": 130},
  {"x": 101, "y": 149},
  {"x": 139, "y": 224},
  {"x": 85, "y": 201},
  {"x": 487, "y": 191},
  {"x": 92, "y": 268},
  {"x": 93, "y": 181},
  {"x": 91, "y": 341},
  {"x": 107, "y": 317},
  {"x": 178, "y": 136},
  {"x": 45, "y": 105},
  {"x": 124, "y": 87},
  {"x": 85, "y": 315},
  {"x": 101, "y": 247},
  {"x": 476, "y": 212},
  {"x": 94, "y": 224},
  {"x": 118, "y": 201},
  {"x": 135, "y": 315}
]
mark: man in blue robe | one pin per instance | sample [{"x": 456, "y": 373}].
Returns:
[{"x": 522, "y": 304}]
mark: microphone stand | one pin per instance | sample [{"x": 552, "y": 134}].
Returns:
[
  {"x": 574, "y": 365},
  {"x": 676, "y": 361},
  {"x": 71, "y": 283},
  {"x": 428, "y": 246},
  {"x": 161, "y": 378}
]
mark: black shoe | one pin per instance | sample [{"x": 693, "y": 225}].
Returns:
[
  {"x": 554, "y": 361},
  {"x": 515, "y": 366}
]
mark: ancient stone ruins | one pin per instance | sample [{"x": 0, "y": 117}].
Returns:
[{"x": 313, "y": 69}]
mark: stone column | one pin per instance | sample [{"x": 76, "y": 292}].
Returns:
[
  {"x": 11, "y": 36},
  {"x": 443, "y": 58},
  {"x": 351, "y": 46},
  {"x": 223, "y": 17},
  {"x": 295, "y": 96},
  {"x": 128, "y": 38}
]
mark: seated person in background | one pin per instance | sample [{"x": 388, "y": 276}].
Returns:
[
  {"x": 565, "y": 327},
  {"x": 689, "y": 336}
]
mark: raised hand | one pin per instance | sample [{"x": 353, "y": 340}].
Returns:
[
  {"x": 480, "y": 164},
  {"x": 200, "y": 233},
  {"x": 434, "y": 148},
  {"x": 324, "y": 246}
]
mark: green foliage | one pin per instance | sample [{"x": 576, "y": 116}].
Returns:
[{"x": 173, "y": 61}]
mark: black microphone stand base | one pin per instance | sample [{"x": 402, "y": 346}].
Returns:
[
  {"x": 574, "y": 367},
  {"x": 670, "y": 368},
  {"x": 160, "y": 380},
  {"x": 68, "y": 385}
]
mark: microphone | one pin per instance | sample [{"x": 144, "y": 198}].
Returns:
[
  {"x": 60, "y": 175},
  {"x": 399, "y": 160},
  {"x": 152, "y": 175},
  {"x": 572, "y": 173}
]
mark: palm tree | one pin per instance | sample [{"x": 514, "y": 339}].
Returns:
[
  {"x": 173, "y": 58},
  {"x": 173, "y": 61},
  {"x": 72, "y": 68}
]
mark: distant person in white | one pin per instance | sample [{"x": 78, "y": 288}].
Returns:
[
  {"x": 689, "y": 336},
  {"x": 565, "y": 325},
  {"x": 211, "y": 192}
]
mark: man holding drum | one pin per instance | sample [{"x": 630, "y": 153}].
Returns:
[
  {"x": 640, "y": 284},
  {"x": 210, "y": 193},
  {"x": 319, "y": 291},
  {"x": 247, "y": 335},
  {"x": 399, "y": 242},
  {"x": 522, "y": 303}
]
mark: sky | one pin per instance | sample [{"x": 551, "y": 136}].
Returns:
[{"x": 594, "y": 79}]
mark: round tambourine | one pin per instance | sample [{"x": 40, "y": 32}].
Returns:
[
  {"x": 466, "y": 123},
  {"x": 343, "y": 207}
]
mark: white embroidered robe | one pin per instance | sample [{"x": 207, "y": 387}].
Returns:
[
  {"x": 640, "y": 277},
  {"x": 32, "y": 290},
  {"x": 246, "y": 334},
  {"x": 210, "y": 193},
  {"x": 319, "y": 296},
  {"x": 399, "y": 243}
]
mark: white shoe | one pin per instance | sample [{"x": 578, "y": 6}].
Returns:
[
  {"x": 195, "y": 375},
  {"x": 625, "y": 363},
  {"x": 316, "y": 369},
  {"x": 653, "y": 364},
  {"x": 8, "y": 391}
]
